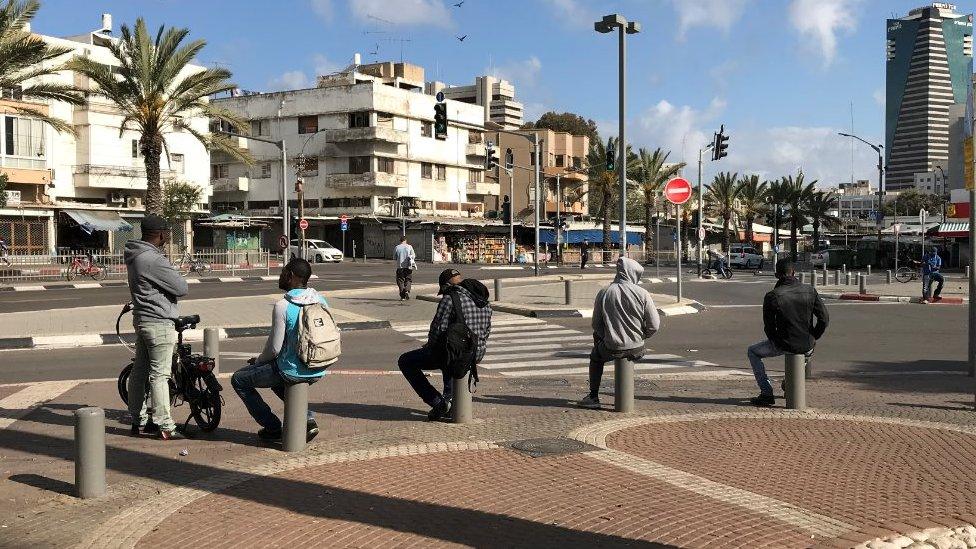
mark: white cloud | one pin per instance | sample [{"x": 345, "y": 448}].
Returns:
[
  {"x": 820, "y": 21},
  {"x": 532, "y": 111},
  {"x": 521, "y": 73},
  {"x": 323, "y": 8},
  {"x": 571, "y": 12},
  {"x": 879, "y": 97},
  {"x": 720, "y": 14},
  {"x": 324, "y": 65},
  {"x": 402, "y": 12},
  {"x": 722, "y": 73},
  {"x": 291, "y": 80}
]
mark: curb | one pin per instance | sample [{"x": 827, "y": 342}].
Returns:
[
  {"x": 691, "y": 307},
  {"x": 97, "y": 340},
  {"x": 892, "y": 298},
  {"x": 123, "y": 283}
]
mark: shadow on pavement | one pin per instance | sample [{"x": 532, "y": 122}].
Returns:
[
  {"x": 963, "y": 406},
  {"x": 520, "y": 400},
  {"x": 44, "y": 483},
  {"x": 359, "y": 410},
  {"x": 730, "y": 401},
  {"x": 917, "y": 376}
]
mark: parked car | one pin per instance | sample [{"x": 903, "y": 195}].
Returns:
[
  {"x": 744, "y": 256},
  {"x": 833, "y": 258},
  {"x": 319, "y": 251}
]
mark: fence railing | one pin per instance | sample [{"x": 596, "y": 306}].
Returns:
[{"x": 21, "y": 268}]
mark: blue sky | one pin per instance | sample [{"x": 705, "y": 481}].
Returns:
[{"x": 780, "y": 74}]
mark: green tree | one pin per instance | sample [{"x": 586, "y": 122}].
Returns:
[
  {"x": 156, "y": 93},
  {"x": 603, "y": 183},
  {"x": 720, "y": 200},
  {"x": 652, "y": 171},
  {"x": 179, "y": 198},
  {"x": 566, "y": 122},
  {"x": 818, "y": 209},
  {"x": 910, "y": 202},
  {"x": 3, "y": 187},
  {"x": 753, "y": 195},
  {"x": 25, "y": 59},
  {"x": 779, "y": 198},
  {"x": 797, "y": 192}
]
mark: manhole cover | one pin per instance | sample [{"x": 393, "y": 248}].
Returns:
[
  {"x": 541, "y": 447},
  {"x": 541, "y": 382}
]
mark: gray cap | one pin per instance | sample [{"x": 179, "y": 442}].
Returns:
[{"x": 153, "y": 223}]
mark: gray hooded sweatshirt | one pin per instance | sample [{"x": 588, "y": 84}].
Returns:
[
  {"x": 153, "y": 283},
  {"x": 623, "y": 313}
]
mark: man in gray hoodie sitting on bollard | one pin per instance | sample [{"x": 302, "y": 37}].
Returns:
[{"x": 624, "y": 316}]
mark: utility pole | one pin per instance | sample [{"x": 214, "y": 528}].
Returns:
[
  {"x": 559, "y": 246},
  {"x": 701, "y": 200},
  {"x": 538, "y": 161}
]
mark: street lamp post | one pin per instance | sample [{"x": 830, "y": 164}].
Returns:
[
  {"x": 606, "y": 25},
  {"x": 881, "y": 192},
  {"x": 536, "y": 154},
  {"x": 701, "y": 202}
]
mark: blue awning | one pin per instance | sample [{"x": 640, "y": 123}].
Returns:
[
  {"x": 595, "y": 236},
  {"x": 91, "y": 221}
]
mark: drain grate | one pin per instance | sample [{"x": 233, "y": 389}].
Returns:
[{"x": 542, "y": 447}]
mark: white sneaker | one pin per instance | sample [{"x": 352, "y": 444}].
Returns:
[{"x": 592, "y": 403}]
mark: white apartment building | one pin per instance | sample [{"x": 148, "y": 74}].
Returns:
[
  {"x": 84, "y": 190},
  {"x": 496, "y": 97},
  {"x": 933, "y": 181},
  {"x": 856, "y": 200},
  {"x": 366, "y": 135}
]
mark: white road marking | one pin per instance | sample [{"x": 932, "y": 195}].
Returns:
[{"x": 21, "y": 403}]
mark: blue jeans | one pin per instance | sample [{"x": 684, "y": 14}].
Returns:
[
  {"x": 248, "y": 380},
  {"x": 757, "y": 352},
  {"x": 927, "y": 284},
  {"x": 412, "y": 364}
]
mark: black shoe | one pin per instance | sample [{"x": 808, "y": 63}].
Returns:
[
  {"x": 764, "y": 401},
  {"x": 438, "y": 411},
  {"x": 150, "y": 428},
  {"x": 268, "y": 435},
  {"x": 135, "y": 430},
  {"x": 171, "y": 435},
  {"x": 311, "y": 430}
]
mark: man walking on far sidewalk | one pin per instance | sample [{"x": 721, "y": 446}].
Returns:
[
  {"x": 789, "y": 311},
  {"x": 4, "y": 250},
  {"x": 624, "y": 316},
  {"x": 406, "y": 262},
  {"x": 584, "y": 252}
]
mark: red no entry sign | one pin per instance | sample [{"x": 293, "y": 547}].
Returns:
[
  {"x": 677, "y": 191},
  {"x": 303, "y": 224}
]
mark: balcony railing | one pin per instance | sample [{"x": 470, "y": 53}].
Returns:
[
  {"x": 482, "y": 188},
  {"x": 365, "y": 180},
  {"x": 367, "y": 134},
  {"x": 118, "y": 171},
  {"x": 230, "y": 184}
]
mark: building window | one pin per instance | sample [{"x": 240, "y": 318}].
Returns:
[
  {"x": 476, "y": 137},
  {"x": 577, "y": 162},
  {"x": 24, "y": 137},
  {"x": 310, "y": 166},
  {"x": 308, "y": 124},
  {"x": 15, "y": 93},
  {"x": 474, "y": 176},
  {"x": 176, "y": 162},
  {"x": 261, "y": 127},
  {"x": 441, "y": 172},
  {"x": 136, "y": 150},
  {"x": 359, "y": 119},
  {"x": 219, "y": 171},
  {"x": 531, "y": 159},
  {"x": 426, "y": 170},
  {"x": 426, "y": 128},
  {"x": 358, "y": 164},
  {"x": 385, "y": 165},
  {"x": 265, "y": 172},
  {"x": 560, "y": 161}
]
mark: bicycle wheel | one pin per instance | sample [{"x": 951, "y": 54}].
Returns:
[
  {"x": 706, "y": 272},
  {"x": 727, "y": 274},
  {"x": 904, "y": 274},
  {"x": 205, "y": 407},
  {"x": 204, "y": 268},
  {"x": 97, "y": 271},
  {"x": 124, "y": 383}
]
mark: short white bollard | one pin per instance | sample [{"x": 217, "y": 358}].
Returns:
[
  {"x": 296, "y": 417},
  {"x": 862, "y": 282},
  {"x": 211, "y": 346},
  {"x": 796, "y": 397},
  {"x": 461, "y": 407},
  {"x": 623, "y": 385},
  {"x": 89, "y": 452}
]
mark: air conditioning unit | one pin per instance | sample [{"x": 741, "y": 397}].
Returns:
[
  {"x": 133, "y": 201},
  {"x": 115, "y": 198}
]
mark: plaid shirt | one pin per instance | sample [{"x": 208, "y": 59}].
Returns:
[{"x": 477, "y": 318}]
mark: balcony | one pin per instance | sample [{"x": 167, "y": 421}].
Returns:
[
  {"x": 475, "y": 149},
  {"x": 27, "y": 171},
  {"x": 103, "y": 176},
  {"x": 346, "y": 135},
  {"x": 366, "y": 180},
  {"x": 575, "y": 207},
  {"x": 230, "y": 184},
  {"x": 481, "y": 188}
]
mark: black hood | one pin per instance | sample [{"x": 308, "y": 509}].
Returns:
[{"x": 478, "y": 291}]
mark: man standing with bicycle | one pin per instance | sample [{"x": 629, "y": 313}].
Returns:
[
  {"x": 931, "y": 271},
  {"x": 155, "y": 287}
]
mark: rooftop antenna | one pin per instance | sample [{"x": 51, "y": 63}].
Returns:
[{"x": 400, "y": 40}]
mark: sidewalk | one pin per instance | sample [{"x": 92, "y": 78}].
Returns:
[{"x": 955, "y": 290}]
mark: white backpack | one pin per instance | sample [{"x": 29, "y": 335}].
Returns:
[{"x": 318, "y": 344}]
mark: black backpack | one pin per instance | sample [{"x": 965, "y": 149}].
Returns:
[{"x": 457, "y": 347}]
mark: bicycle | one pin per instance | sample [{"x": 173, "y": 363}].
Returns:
[
  {"x": 907, "y": 274},
  {"x": 192, "y": 380},
  {"x": 723, "y": 272},
  {"x": 189, "y": 264},
  {"x": 85, "y": 266}
]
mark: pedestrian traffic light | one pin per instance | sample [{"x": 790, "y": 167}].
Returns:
[
  {"x": 509, "y": 159},
  {"x": 507, "y": 210},
  {"x": 440, "y": 120},
  {"x": 611, "y": 156},
  {"x": 720, "y": 145},
  {"x": 491, "y": 156}
]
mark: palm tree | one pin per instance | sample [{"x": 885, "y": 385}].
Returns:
[
  {"x": 798, "y": 193},
  {"x": 156, "y": 93},
  {"x": 720, "y": 200},
  {"x": 753, "y": 195},
  {"x": 651, "y": 172},
  {"x": 25, "y": 59},
  {"x": 604, "y": 183},
  {"x": 818, "y": 208}
]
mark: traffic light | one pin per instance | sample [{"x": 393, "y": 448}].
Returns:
[
  {"x": 611, "y": 156},
  {"x": 720, "y": 144},
  {"x": 491, "y": 156},
  {"x": 509, "y": 159},
  {"x": 507, "y": 210},
  {"x": 440, "y": 120}
]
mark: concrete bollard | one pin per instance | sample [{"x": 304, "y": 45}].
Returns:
[
  {"x": 967, "y": 272},
  {"x": 847, "y": 279},
  {"x": 869, "y": 270},
  {"x": 296, "y": 417},
  {"x": 461, "y": 407},
  {"x": 837, "y": 278},
  {"x": 623, "y": 385},
  {"x": 89, "y": 452},
  {"x": 844, "y": 267},
  {"x": 813, "y": 278},
  {"x": 568, "y": 285},
  {"x": 353, "y": 251},
  {"x": 498, "y": 289},
  {"x": 888, "y": 276},
  {"x": 211, "y": 346},
  {"x": 809, "y": 367},
  {"x": 796, "y": 397},
  {"x": 803, "y": 278},
  {"x": 823, "y": 278},
  {"x": 862, "y": 283}
]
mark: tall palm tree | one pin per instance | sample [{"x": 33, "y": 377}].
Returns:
[
  {"x": 798, "y": 192},
  {"x": 651, "y": 172},
  {"x": 25, "y": 59},
  {"x": 604, "y": 183},
  {"x": 753, "y": 195},
  {"x": 720, "y": 201},
  {"x": 818, "y": 207},
  {"x": 156, "y": 93}
]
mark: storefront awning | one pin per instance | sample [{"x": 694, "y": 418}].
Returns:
[
  {"x": 953, "y": 230},
  {"x": 91, "y": 221},
  {"x": 595, "y": 236}
]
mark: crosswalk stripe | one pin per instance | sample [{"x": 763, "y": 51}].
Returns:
[
  {"x": 520, "y": 340},
  {"x": 495, "y": 322},
  {"x": 495, "y": 329},
  {"x": 21, "y": 403},
  {"x": 569, "y": 354},
  {"x": 497, "y": 334},
  {"x": 493, "y": 348},
  {"x": 673, "y": 361},
  {"x": 572, "y": 371}
]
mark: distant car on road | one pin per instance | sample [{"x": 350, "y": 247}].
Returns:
[
  {"x": 833, "y": 258},
  {"x": 319, "y": 251},
  {"x": 744, "y": 256}
]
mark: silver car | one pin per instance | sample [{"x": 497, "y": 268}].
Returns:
[{"x": 318, "y": 251}]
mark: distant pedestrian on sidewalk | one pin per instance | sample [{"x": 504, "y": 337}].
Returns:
[
  {"x": 473, "y": 310},
  {"x": 789, "y": 311},
  {"x": 4, "y": 251},
  {"x": 406, "y": 262},
  {"x": 154, "y": 285},
  {"x": 624, "y": 316},
  {"x": 584, "y": 253},
  {"x": 279, "y": 364},
  {"x": 931, "y": 270}
]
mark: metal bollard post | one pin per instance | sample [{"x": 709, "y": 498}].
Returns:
[
  {"x": 837, "y": 277},
  {"x": 803, "y": 278},
  {"x": 888, "y": 276},
  {"x": 623, "y": 385},
  {"x": 869, "y": 270},
  {"x": 813, "y": 278},
  {"x": 211, "y": 346},
  {"x": 568, "y": 285},
  {"x": 862, "y": 282},
  {"x": 796, "y": 398},
  {"x": 89, "y": 452},
  {"x": 809, "y": 367},
  {"x": 461, "y": 407},
  {"x": 353, "y": 251},
  {"x": 498, "y": 289},
  {"x": 823, "y": 278},
  {"x": 296, "y": 417},
  {"x": 967, "y": 272},
  {"x": 847, "y": 279},
  {"x": 844, "y": 267}
]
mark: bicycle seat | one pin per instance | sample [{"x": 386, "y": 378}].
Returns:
[{"x": 184, "y": 322}]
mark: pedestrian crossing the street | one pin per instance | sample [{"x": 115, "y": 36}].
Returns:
[{"x": 529, "y": 347}]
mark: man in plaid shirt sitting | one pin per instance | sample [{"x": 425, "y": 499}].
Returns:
[{"x": 473, "y": 297}]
